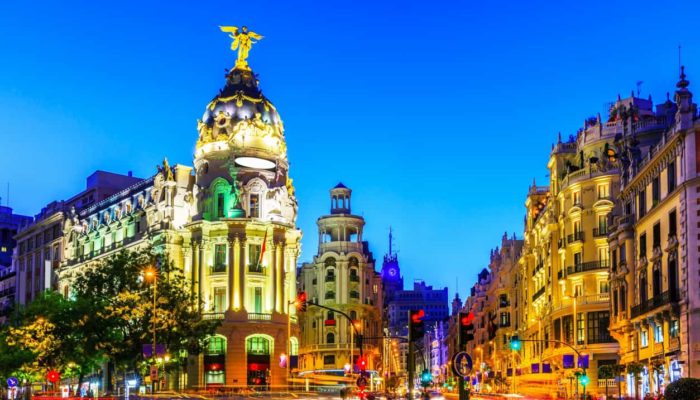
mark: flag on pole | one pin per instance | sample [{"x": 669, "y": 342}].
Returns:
[{"x": 262, "y": 248}]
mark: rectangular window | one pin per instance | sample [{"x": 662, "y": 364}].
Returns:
[
  {"x": 603, "y": 191},
  {"x": 567, "y": 324},
  {"x": 257, "y": 297},
  {"x": 577, "y": 197},
  {"x": 578, "y": 290},
  {"x": 254, "y": 206},
  {"x": 219, "y": 299},
  {"x": 602, "y": 225},
  {"x": 672, "y": 223},
  {"x": 644, "y": 338},
  {"x": 642, "y": 202},
  {"x": 593, "y": 327},
  {"x": 580, "y": 329},
  {"x": 604, "y": 257},
  {"x": 643, "y": 245},
  {"x": 577, "y": 259},
  {"x": 655, "y": 191},
  {"x": 254, "y": 256},
  {"x": 219, "y": 258},
  {"x": 658, "y": 333},
  {"x": 557, "y": 329},
  {"x": 623, "y": 254},
  {"x": 674, "y": 329},
  {"x": 613, "y": 258},
  {"x": 603, "y": 287},
  {"x": 671, "y": 176},
  {"x": 328, "y": 359},
  {"x": 220, "y": 205},
  {"x": 577, "y": 227},
  {"x": 656, "y": 236}
]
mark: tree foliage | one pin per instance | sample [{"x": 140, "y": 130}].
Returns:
[
  {"x": 683, "y": 389},
  {"x": 109, "y": 317}
]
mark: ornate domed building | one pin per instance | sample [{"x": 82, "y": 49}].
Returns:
[{"x": 229, "y": 223}]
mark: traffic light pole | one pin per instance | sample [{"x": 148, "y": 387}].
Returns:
[{"x": 359, "y": 336}]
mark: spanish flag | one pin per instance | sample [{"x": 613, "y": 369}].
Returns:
[{"x": 262, "y": 248}]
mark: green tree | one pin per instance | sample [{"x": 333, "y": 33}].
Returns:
[
  {"x": 125, "y": 314},
  {"x": 683, "y": 389},
  {"x": 45, "y": 335}
]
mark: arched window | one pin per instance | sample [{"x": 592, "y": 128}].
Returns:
[
  {"x": 330, "y": 315},
  {"x": 258, "y": 345},
  {"x": 353, "y": 314},
  {"x": 216, "y": 345},
  {"x": 330, "y": 338},
  {"x": 353, "y": 262},
  {"x": 330, "y": 262}
]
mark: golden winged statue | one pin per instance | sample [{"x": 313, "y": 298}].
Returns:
[{"x": 243, "y": 41}]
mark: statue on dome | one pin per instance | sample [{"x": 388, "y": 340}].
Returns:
[{"x": 243, "y": 41}]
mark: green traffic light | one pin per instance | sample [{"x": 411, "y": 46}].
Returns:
[
  {"x": 584, "y": 380},
  {"x": 515, "y": 343},
  {"x": 426, "y": 376}
]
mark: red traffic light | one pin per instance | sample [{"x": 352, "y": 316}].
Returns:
[
  {"x": 362, "y": 363},
  {"x": 417, "y": 316},
  {"x": 466, "y": 319},
  {"x": 301, "y": 301}
]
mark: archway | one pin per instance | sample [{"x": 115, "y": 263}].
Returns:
[
  {"x": 215, "y": 361},
  {"x": 259, "y": 349}
]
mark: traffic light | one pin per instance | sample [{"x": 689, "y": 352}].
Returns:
[
  {"x": 515, "y": 343},
  {"x": 584, "y": 380},
  {"x": 466, "y": 328},
  {"x": 301, "y": 301},
  {"x": 426, "y": 378},
  {"x": 362, "y": 363},
  {"x": 416, "y": 326}
]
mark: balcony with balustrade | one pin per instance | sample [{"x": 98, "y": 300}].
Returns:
[
  {"x": 653, "y": 303},
  {"x": 589, "y": 266},
  {"x": 575, "y": 237}
]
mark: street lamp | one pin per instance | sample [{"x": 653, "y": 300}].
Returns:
[{"x": 150, "y": 274}]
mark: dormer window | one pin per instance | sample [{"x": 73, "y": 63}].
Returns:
[{"x": 254, "y": 206}]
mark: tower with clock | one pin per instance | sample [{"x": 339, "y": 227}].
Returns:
[{"x": 391, "y": 272}]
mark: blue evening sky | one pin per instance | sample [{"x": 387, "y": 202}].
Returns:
[{"x": 438, "y": 114}]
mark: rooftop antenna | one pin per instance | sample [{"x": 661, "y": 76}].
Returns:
[
  {"x": 639, "y": 87},
  {"x": 679, "y": 59}
]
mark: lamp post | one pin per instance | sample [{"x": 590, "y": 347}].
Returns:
[
  {"x": 151, "y": 274},
  {"x": 289, "y": 338}
]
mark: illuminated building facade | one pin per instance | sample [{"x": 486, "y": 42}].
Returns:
[
  {"x": 563, "y": 278},
  {"x": 342, "y": 276},
  {"x": 40, "y": 244},
  {"x": 228, "y": 223},
  {"x": 654, "y": 242},
  {"x": 10, "y": 223}
]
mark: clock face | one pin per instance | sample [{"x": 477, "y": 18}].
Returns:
[{"x": 392, "y": 271}]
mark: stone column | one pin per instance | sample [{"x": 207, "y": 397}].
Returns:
[
  {"x": 281, "y": 301},
  {"x": 272, "y": 277},
  {"x": 236, "y": 267},
  {"x": 231, "y": 274},
  {"x": 242, "y": 271},
  {"x": 195, "y": 271}
]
